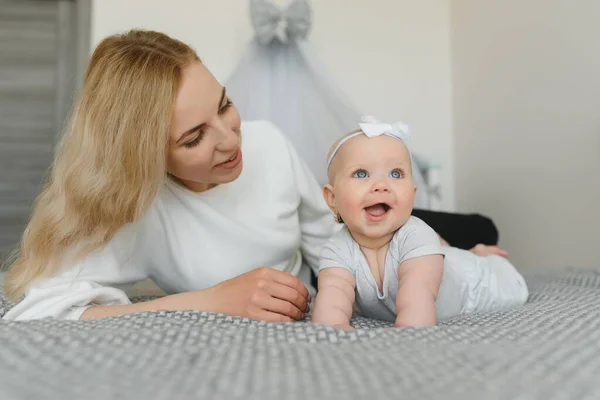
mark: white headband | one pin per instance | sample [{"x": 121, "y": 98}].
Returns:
[{"x": 372, "y": 128}]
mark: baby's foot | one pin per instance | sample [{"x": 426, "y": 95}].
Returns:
[
  {"x": 443, "y": 241},
  {"x": 484, "y": 250}
]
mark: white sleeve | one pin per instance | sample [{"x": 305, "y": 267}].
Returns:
[
  {"x": 415, "y": 239},
  {"x": 337, "y": 252},
  {"x": 94, "y": 281},
  {"x": 316, "y": 220}
]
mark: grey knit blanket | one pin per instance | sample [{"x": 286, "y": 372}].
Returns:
[{"x": 547, "y": 349}]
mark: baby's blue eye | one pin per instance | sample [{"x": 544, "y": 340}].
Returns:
[
  {"x": 360, "y": 173},
  {"x": 396, "y": 174}
]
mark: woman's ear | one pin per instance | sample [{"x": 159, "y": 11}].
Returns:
[{"x": 329, "y": 197}]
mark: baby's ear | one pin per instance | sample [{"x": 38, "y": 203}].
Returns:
[{"x": 329, "y": 197}]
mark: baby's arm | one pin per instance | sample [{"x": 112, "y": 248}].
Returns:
[
  {"x": 420, "y": 280},
  {"x": 335, "y": 298}
]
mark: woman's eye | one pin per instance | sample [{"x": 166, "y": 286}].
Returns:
[
  {"x": 361, "y": 174},
  {"x": 225, "y": 106},
  {"x": 194, "y": 142},
  {"x": 396, "y": 174}
]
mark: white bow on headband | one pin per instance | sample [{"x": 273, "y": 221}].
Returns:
[{"x": 372, "y": 128}]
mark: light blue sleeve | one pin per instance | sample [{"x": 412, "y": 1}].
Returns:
[
  {"x": 337, "y": 252},
  {"x": 415, "y": 239}
]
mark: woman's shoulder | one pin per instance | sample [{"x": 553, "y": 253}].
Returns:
[{"x": 269, "y": 163}]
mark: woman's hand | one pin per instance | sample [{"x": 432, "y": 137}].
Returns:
[{"x": 264, "y": 294}]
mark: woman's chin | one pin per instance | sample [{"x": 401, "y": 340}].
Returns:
[
  {"x": 219, "y": 177},
  {"x": 230, "y": 175},
  {"x": 222, "y": 176}
]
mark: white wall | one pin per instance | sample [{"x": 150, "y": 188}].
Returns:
[
  {"x": 392, "y": 57},
  {"x": 526, "y": 80}
]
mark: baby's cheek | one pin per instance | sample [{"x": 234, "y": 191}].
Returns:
[
  {"x": 349, "y": 207},
  {"x": 405, "y": 207}
]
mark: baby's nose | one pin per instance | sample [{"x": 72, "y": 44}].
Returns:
[{"x": 381, "y": 186}]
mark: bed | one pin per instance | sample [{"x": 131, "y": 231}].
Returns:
[{"x": 546, "y": 349}]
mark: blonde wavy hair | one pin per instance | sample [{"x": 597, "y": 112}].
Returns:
[{"x": 111, "y": 159}]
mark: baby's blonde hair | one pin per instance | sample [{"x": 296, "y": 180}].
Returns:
[{"x": 111, "y": 159}]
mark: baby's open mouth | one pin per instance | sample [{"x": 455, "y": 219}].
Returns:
[{"x": 377, "y": 210}]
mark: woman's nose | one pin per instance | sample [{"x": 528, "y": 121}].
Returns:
[{"x": 228, "y": 137}]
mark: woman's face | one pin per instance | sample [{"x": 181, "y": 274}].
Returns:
[{"x": 204, "y": 144}]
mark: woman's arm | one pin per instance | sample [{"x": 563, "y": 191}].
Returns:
[
  {"x": 202, "y": 299},
  {"x": 92, "y": 281},
  {"x": 264, "y": 294},
  {"x": 89, "y": 290}
]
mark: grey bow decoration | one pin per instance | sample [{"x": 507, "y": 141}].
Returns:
[{"x": 273, "y": 23}]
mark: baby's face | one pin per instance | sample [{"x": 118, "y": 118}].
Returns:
[{"x": 371, "y": 185}]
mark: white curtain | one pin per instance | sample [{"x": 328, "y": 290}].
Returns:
[{"x": 280, "y": 78}]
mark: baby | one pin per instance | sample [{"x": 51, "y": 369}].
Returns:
[{"x": 391, "y": 264}]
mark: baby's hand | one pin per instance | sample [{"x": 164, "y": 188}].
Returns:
[{"x": 484, "y": 250}]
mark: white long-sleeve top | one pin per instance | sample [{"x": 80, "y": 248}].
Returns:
[{"x": 273, "y": 215}]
